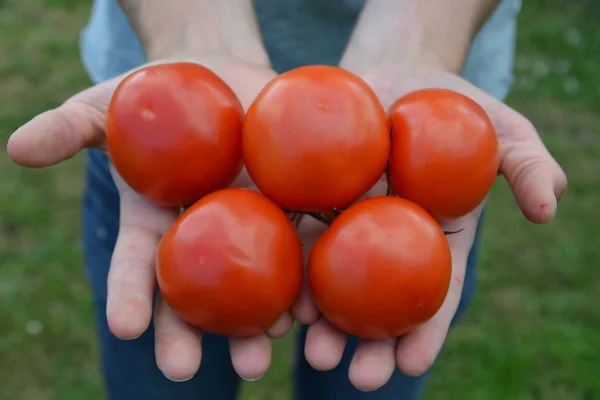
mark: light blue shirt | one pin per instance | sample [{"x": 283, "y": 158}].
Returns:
[{"x": 301, "y": 32}]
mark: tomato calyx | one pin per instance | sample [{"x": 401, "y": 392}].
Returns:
[
  {"x": 295, "y": 217},
  {"x": 453, "y": 232},
  {"x": 328, "y": 218},
  {"x": 321, "y": 218}
]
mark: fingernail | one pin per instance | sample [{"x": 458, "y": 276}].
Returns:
[
  {"x": 253, "y": 379},
  {"x": 367, "y": 390},
  {"x": 178, "y": 380},
  {"x": 128, "y": 338}
]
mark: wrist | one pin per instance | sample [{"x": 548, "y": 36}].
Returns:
[
  {"x": 392, "y": 81},
  {"x": 194, "y": 44},
  {"x": 428, "y": 34},
  {"x": 187, "y": 28},
  {"x": 212, "y": 58},
  {"x": 416, "y": 52},
  {"x": 418, "y": 63},
  {"x": 194, "y": 48}
]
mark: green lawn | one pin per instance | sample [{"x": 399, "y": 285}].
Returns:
[{"x": 533, "y": 332}]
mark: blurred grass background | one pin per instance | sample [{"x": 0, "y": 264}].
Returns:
[{"x": 532, "y": 333}]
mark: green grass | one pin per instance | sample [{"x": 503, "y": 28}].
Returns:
[{"x": 532, "y": 332}]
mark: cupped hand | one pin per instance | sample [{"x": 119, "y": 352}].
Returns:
[
  {"x": 59, "y": 134},
  {"x": 537, "y": 182}
]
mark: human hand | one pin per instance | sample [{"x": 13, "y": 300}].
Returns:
[
  {"x": 537, "y": 182},
  {"x": 59, "y": 134}
]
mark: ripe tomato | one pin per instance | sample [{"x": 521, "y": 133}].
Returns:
[
  {"x": 444, "y": 153},
  {"x": 231, "y": 264},
  {"x": 174, "y": 133},
  {"x": 381, "y": 269},
  {"x": 316, "y": 138}
]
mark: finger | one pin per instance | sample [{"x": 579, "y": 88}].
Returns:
[
  {"x": 250, "y": 356},
  {"x": 304, "y": 310},
  {"x": 280, "y": 328},
  {"x": 324, "y": 346},
  {"x": 131, "y": 277},
  {"x": 57, "y": 135},
  {"x": 177, "y": 344},
  {"x": 373, "y": 364},
  {"x": 535, "y": 178},
  {"x": 417, "y": 351}
]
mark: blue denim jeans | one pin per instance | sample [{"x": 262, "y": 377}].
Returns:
[{"x": 129, "y": 367}]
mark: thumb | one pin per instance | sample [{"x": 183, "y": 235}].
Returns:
[
  {"x": 59, "y": 134},
  {"x": 535, "y": 178}
]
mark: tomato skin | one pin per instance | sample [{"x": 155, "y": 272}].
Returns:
[
  {"x": 444, "y": 153},
  {"x": 381, "y": 269},
  {"x": 316, "y": 138},
  {"x": 174, "y": 133},
  {"x": 231, "y": 264}
]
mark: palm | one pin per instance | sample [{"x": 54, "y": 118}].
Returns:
[
  {"x": 537, "y": 182},
  {"x": 59, "y": 134}
]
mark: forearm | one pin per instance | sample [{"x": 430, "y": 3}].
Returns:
[
  {"x": 433, "y": 33},
  {"x": 175, "y": 27}
]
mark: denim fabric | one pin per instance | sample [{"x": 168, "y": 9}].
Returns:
[{"x": 296, "y": 32}]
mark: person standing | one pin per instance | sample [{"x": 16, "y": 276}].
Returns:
[{"x": 396, "y": 46}]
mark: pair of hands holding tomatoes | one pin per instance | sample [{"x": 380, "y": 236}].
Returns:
[{"x": 535, "y": 178}]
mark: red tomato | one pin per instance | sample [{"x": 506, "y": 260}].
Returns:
[
  {"x": 381, "y": 269},
  {"x": 231, "y": 264},
  {"x": 444, "y": 153},
  {"x": 316, "y": 138},
  {"x": 174, "y": 133}
]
